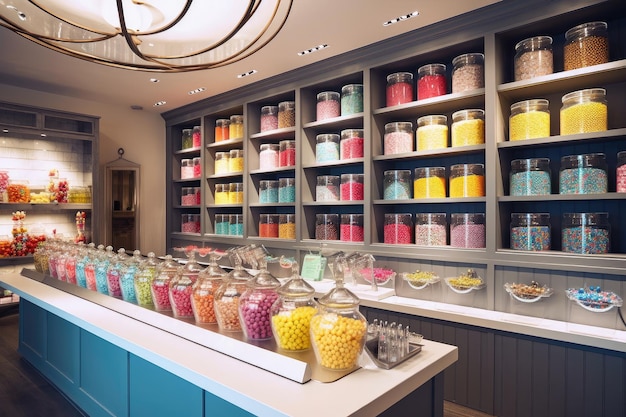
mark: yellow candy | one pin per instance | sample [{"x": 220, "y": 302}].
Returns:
[
  {"x": 338, "y": 340},
  {"x": 467, "y": 186},
  {"x": 584, "y": 118},
  {"x": 432, "y": 137},
  {"x": 429, "y": 187},
  {"x": 468, "y": 132},
  {"x": 291, "y": 328},
  {"x": 529, "y": 125}
]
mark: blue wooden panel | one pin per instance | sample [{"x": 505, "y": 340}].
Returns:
[
  {"x": 156, "y": 392},
  {"x": 32, "y": 329},
  {"x": 63, "y": 348},
  {"x": 215, "y": 407},
  {"x": 104, "y": 374}
]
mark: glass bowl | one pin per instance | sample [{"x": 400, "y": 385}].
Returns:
[
  {"x": 528, "y": 293},
  {"x": 465, "y": 282},
  {"x": 594, "y": 299},
  {"x": 420, "y": 279}
]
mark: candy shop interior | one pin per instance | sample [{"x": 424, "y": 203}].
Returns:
[{"x": 461, "y": 184}]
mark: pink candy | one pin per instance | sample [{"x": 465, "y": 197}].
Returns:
[
  {"x": 397, "y": 233},
  {"x": 255, "y": 313},
  {"x": 161, "y": 297},
  {"x": 180, "y": 298},
  {"x": 352, "y": 190}
]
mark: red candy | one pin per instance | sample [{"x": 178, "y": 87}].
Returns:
[
  {"x": 352, "y": 190},
  {"x": 397, "y": 233},
  {"x": 180, "y": 299}
]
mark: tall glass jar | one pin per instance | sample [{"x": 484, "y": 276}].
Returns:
[
  {"x": 468, "y": 127},
  {"x": 221, "y": 193},
  {"x": 431, "y": 81},
  {"x": 432, "y": 132},
  {"x": 287, "y": 226},
  {"x": 235, "y": 227},
  {"x": 431, "y": 229},
  {"x": 351, "y": 144},
  {"x": 181, "y": 286},
  {"x": 399, "y": 88},
  {"x": 467, "y": 230},
  {"x": 268, "y": 156},
  {"x": 467, "y": 180},
  {"x": 327, "y": 188},
  {"x": 221, "y": 162},
  {"x": 269, "y": 118},
  {"x": 287, "y": 153},
  {"x": 268, "y": 225},
  {"x": 144, "y": 277},
  {"x": 328, "y": 105},
  {"x": 197, "y": 167},
  {"x": 530, "y": 177},
  {"x": 398, "y": 138},
  {"x": 228, "y": 295},
  {"x": 286, "y": 114},
  {"x": 235, "y": 128},
  {"x": 351, "y": 228},
  {"x": 585, "y": 45},
  {"x": 529, "y": 119},
  {"x": 397, "y": 185},
  {"x": 222, "y": 224},
  {"x": 586, "y": 233},
  {"x": 530, "y": 231},
  {"x": 351, "y": 99},
  {"x": 114, "y": 272},
  {"x": 102, "y": 265},
  {"x": 583, "y": 174},
  {"x": 327, "y": 147},
  {"x": 186, "y": 168},
  {"x": 352, "y": 188},
  {"x": 222, "y": 130},
  {"x": 190, "y": 223},
  {"x": 204, "y": 290},
  {"x": 533, "y": 58},
  {"x": 398, "y": 228},
  {"x": 161, "y": 284},
  {"x": 235, "y": 193},
  {"x": 620, "y": 173},
  {"x": 286, "y": 190},
  {"x": 235, "y": 160},
  {"x": 584, "y": 111},
  {"x": 268, "y": 191},
  {"x": 187, "y": 139},
  {"x": 468, "y": 72},
  {"x": 127, "y": 278},
  {"x": 256, "y": 303},
  {"x": 430, "y": 182},
  {"x": 326, "y": 226},
  {"x": 196, "y": 136}
]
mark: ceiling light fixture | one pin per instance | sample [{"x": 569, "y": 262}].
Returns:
[
  {"x": 150, "y": 35},
  {"x": 196, "y": 91},
  {"x": 401, "y": 18},
  {"x": 160, "y": 103},
  {"x": 245, "y": 74},
  {"x": 314, "y": 49}
]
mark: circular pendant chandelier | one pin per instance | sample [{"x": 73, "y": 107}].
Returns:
[{"x": 149, "y": 35}]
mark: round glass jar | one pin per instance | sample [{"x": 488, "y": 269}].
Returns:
[
  {"x": 186, "y": 139},
  {"x": 292, "y": 313},
  {"x": 186, "y": 169},
  {"x": 268, "y": 156},
  {"x": 429, "y": 182},
  {"x": 529, "y": 119},
  {"x": 583, "y": 174},
  {"x": 235, "y": 128},
  {"x": 530, "y": 231},
  {"x": 533, "y": 58},
  {"x": 287, "y": 153},
  {"x": 286, "y": 114},
  {"x": 352, "y": 188},
  {"x": 351, "y": 144},
  {"x": 327, "y": 188},
  {"x": 222, "y": 193},
  {"x": 398, "y": 228},
  {"x": 227, "y": 297},
  {"x": 103, "y": 261},
  {"x": 235, "y": 226},
  {"x": 467, "y": 230},
  {"x": 585, "y": 45},
  {"x": 397, "y": 185},
  {"x": 269, "y": 118},
  {"x": 235, "y": 160},
  {"x": 432, "y": 132},
  {"x": 190, "y": 223},
  {"x": 221, "y": 162},
  {"x": 586, "y": 233},
  {"x": 326, "y": 226},
  {"x": 328, "y": 105},
  {"x": 530, "y": 177},
  {"x": 620, "y": 173},
  {"x": 431, "y": 81},
  {"x": 399, "y": 88},
  {"x": 127, "y": 277},
  {"x": 351, "y": 229},
  {"x": 204, "y": 290},
  {"x": 351, "y": 99},
  {"x": 268, "y": 225},
  {"x": 222, "y": 224},
  {"x": 468, "y": 127},
  {"x": 431, "y": 229},
  {"x": 398, "y": 138},
  {"x": 467, "y": 180},
  {"x": 235, "y": 193},
  {"x": 181, "y": 287},
  {"x": 196, "y": 136},
  {"x": 268, "y": 191},
  {"x": 160, "y": 285},
  {"x": 222, "y": 130},
  {"x": 584, "y": 111},
  {"x": 287, "y": 226},
  {"x": 327, "y": 147},
  {"x": 146, "y": 273},
  {"x": 287, "y": 190},
  {"x": 468, "y": 72}
]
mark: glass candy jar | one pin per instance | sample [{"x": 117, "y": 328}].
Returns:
[
  {"x": 127, "y": 277},
  {"x": 203, "y": 292},
  {"x": 144, "y": 277},
  {"x": 228, "y": 295},
  {"x": 256, "y": 303},
  {"x": 181, "y": 286},
  {"x": 102, "y": 265},
  {"x": 114, "y": 272},
  {"x": 161, "y": 283}
]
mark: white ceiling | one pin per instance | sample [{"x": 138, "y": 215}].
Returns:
[{"x": 342, "y": 24}]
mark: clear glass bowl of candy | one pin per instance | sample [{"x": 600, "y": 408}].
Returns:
[
  {"x": 465, "y": 282},
  {"x": 528, "y": 293},
  {"x": 419, "y": 279},
  {"x": 594, "y": 299}
]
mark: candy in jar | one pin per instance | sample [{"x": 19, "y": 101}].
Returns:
[
  {"x": 182, "y": 284},
  {"x": 256, "y": 303},
  {"x": 228, "y": 295},
  {"x": 143, "y": 279},
  {"x": 203, "y": 292},
  {"x": 114, "y": 272},
  {"x": 161, "y": 283}
]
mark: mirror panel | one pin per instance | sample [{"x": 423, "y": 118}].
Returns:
[{"x": 122, "y": 205}]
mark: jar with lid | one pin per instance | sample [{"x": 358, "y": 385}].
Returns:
[
  {"x": 352, "y": 188},
  {"x": 431, "y": 81},
  {"x": 467, "y": 180},
  {"x": 235, "y": 226},
  {"x": 127, "y": 277},
  {"x": 328, "y": 105},
  {"x": 187, "y": 139},
  {"x": 235, "y": 128},
  {"x": 530, "y": 177},
  {"x": 351, "y": 144},
  {"x": 268, "y": 156},
  {"x": 228, "y": 295},
  {"x": 432, "y": 132},
  {"x": 287, "y": 153},
  {"x": 327, "y": 188},
  {"x": 398, "y": 138},
  {"x": 181, "y": 286},
  {"x": 351, "y": 228},
  {"x": 468, "y": 72},
  {"x": 196, "y": 136},
  {"x": 430, "y": 182},
  {"x": 204, "y": 289},
  {"x": 530, "y": 231},
  {"x": 269, "y": 118},
  {"x": 351, "y": 99},
  {"x": 256, "y": 303},
  {"x": 286, "y": 190},
  {"x": 431, "y": 229},
  {"x": 4, "y": 183},
  {"x": 268, "y": 225},
  {"x": 190, "y": 223},
  {"x": 292, "y": 312},
  {"x": 586, "y": 233},
  {"x": 222, "y": 224},
  {"x": 221, "y": 162},
  {"x": 145, "y": 275},
  {"x": 620, "y": 173},
  {"x": 197, "y": 167},
  {"x": 327, "y": 147},
  {"x": 467, "y": 230},
  {"x": 235, "y": 160},
  {"x": 399, "y": 88},
  {"x": 62, "y": 190},
  {"x": 103, "y": 260},
  {"x": 529, "y": 119},
  {"x": 222, "y": 130},
  {"x": 397, "y": 185},
  {"x": 286, "y": 114},
  {"x": 583, "y": 174},
  {"x": 186, "y": 168},
  {"x": 584, "y": 111},
  {"x": 468, "y": 127},
  {"x": 326, "y": 226},
  {"x": 18, "y": 191},
  {"x": 287, "y": 226},
  {"x": 160, "y": 285},
  {"x": 221, "y": 193},
  {"x": 585, "y": 45},
  {"x": 533, "y": 58},
  {"x": 268, "y": 191},
  {"x": 114, "y": 272},
  {"x": 79, "y": 194},
  {"x": 398, "y": 228},
  {"x": 235, "y": 193},
  {"x": 338, "y": 329}
]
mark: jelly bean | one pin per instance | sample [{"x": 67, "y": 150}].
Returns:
[
  {"x": 338, "y": 340},
  {"x": 287, "y": 157},
  {"x": 269, "y": 122},
  {"x": 397, "y": 190},
  {"x": 180, "y": 299},
  {"x": 160, "y": 295},
  {"x": 327, "y": 151},
  {"x": 101, "y": 279},
  {"x": 227, "y": 313},
  {"x": 620, "y": 179},
  {"x": 326, "y": 232},
  {"x": 268, "y": 229},
  {"x": 292, "y": 328},
  {"x": 113, "y": 283},
  {"x": 268, "y": 195}
]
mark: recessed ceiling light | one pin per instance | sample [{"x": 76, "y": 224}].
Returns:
[
  {"x": 154, "y": 80},
  {"x": 20, "y": 14},
  {"x": 314, "y": 49},
  {"x": 196, "y": 91},
  {"x": 160, "y": 103},
  {"x": 401, "y": 18},
  {"x": 245, "y": 74},
  {"x": 136, "y": 107}
]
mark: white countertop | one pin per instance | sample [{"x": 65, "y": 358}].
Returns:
[{"x": 367, "y": 391}]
